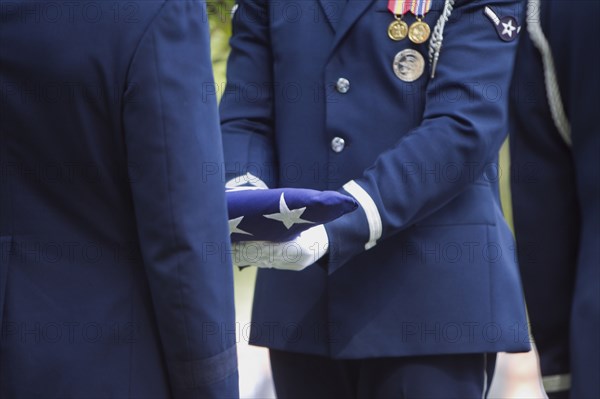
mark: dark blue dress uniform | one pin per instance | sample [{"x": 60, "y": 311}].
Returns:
[
  {"x": 319, "y": 96},
  {"x": 556, "y": 195},
  {"x": 108, "y": 288}
]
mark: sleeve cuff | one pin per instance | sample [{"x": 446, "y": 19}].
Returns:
[
  {"x": 191, "y": 375},
  {"x": 370, "y": 209},
  {"x": 355, "y": 232}
]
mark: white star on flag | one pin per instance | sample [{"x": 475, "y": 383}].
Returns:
[
  {"x": 287, "y": 216},
  {"x": 509, "y": 28},
  {"x": 233, "y": 226}
]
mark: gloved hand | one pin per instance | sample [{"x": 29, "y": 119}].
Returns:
[
  {"x": 245, "y": 181},
  {"x": 297, "y": 254}
]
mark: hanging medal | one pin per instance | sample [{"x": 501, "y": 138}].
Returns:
[
  {"x": 398, "y": 29},
  {"x": 419, "y": 30}
]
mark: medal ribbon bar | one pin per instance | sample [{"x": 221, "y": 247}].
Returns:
[
  {"x": 400, "y": 7},
  {"x": 420, "y": 7}
]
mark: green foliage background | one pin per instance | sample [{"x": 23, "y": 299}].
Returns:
[{"x": 219, "y": 14}]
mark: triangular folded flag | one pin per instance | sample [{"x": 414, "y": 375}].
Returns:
[{"x": 280, "y": 214}]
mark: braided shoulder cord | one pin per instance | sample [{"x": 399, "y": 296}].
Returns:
[
  {"x": 437, "y": 37},
  {"x": 557, "y": 109}
]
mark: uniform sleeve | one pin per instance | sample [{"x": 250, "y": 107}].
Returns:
[
  {"x": 463, "y": 126},
  {"x": 174, "y": 151},
  {"x": 247, "y": 104}
]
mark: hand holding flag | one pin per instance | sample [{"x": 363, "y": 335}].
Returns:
[
  {"x": 281, "y": 214},
  {"x": 282, "y": 228}
]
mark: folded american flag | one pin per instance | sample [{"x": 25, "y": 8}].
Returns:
[{"x": 281, "y": 214}]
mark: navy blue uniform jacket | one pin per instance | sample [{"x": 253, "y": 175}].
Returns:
[
  {"x": 107, "y": 286},
  {"x": 556, "y": 195},
  {"x": 426, "y": 265}
]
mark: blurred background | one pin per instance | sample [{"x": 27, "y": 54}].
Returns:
[
  {"x": 516, "y": 374},
  {"x": 219, "y": 14}
]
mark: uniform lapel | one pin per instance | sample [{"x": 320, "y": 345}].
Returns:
[
  {"x": 352, "y": 11},
  {"x": 333, "y": 10}
]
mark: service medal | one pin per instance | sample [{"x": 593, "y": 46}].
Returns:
[
  {"x": 419, "y": 31},
  {"x": 408, "y": 65},
  {"x": 398, "y": 29}
]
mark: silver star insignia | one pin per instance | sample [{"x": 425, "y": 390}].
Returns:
[
  {"x": 509, "y": 28},
  {"x": 233, "y": 226},
  {"x": 287, "y": 216}
]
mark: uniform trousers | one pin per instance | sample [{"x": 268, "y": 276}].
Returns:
[{"x": 304, "y": 376}]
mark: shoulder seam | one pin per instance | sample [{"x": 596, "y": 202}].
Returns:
[{"x": 142, "y": 37}]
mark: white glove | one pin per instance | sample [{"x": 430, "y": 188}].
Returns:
[
  {"x": 296, "y": 254},
  {"x": 247, "y": 181}
]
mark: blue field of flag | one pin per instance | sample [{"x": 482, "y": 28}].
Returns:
[{"x": 281, "y": 214}]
